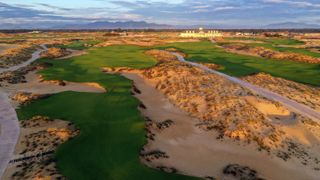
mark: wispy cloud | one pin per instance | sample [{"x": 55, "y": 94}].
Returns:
[
  {"x": 54, "y": 7},
  {"x": 295, "y": 3},
  {"x": 184, "y": 12}
]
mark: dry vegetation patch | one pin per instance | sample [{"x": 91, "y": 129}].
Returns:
[
  {"x": 24, "y": 98},
  {"x": 16, "y": 55},
  {"x": 301, "y": 93},
  {"x": 39, "y": 138},
  {"x": 271, "y": 54},
  {"x": 5, "y": 46},
  {"x": 161, "y": 56},
  {"x": 234, "y": 112},
  {"x": 144, "y": 39},
  {"x": 53, "y": 53},
  {"x": 241, "y": 172},
  {"x": 14, "y": 77}
]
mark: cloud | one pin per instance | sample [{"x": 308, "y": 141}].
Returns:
[
  {"x": 54, "y": 7},
  {"x": 201, "y": 7},
  {"x": 253, "y": 13},
  {"x": 295, "y": 3}
]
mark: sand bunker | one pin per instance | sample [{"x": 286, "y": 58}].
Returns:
[
  {"x": 36, "y": 85},
  {"x": 183, "y": 148},
  {"x": 268, "y": 108},
  {"x": 33, "y": 86}
]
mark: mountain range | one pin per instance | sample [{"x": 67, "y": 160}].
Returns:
[
  {"x": 117, "y": 24},
  {"x": 147, "y": 25},
  {"x": 292, "y": 25}
]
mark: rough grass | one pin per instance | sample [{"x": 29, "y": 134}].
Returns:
[
  {"x": 275, "y": 44},
  {"x": 80, "y": 45},
  {"x": 242, "y": 65},
  {"x": 112, "y": 129},
  {"x": 274, "y": 41}
]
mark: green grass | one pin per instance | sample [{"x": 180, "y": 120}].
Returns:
[
  {"x": 298, "y": 50},
  {"x": 284, "y": 41},
  {"x": 80, "y": 45},
  {"x": 111, "y": 127},
  {"x": 242, "y": 65}
]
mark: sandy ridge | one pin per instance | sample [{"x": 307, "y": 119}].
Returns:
[
  {"x": 194, "y": 152},
  {"x": 292, "y": 105}
]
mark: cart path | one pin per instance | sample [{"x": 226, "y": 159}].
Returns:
[
  {"x": 35, "y": 56},
  {"x": 9, "y": 131},
  {"x": 9, "y": 123},
  {"x": 291, "y": 104}
]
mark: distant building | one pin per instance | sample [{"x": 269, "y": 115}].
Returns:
[
  {"x": 124, "y": 33},
  {"x": 201, "y": 34},
  {"x": 245, "y": 34},
  {"x": 35, "y": 32}
]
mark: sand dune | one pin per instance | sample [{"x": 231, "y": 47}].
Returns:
[{"x": 193, "y": 151}]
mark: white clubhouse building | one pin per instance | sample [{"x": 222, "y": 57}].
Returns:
[{"x": 201, "y": 34}]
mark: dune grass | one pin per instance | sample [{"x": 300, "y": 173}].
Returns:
[
  {"x": 278, "y": 44},
  {"x": 273, "y": 41},
  {"x": 242, "y": 65},
  {"x": 111, "y": 127},
  {"x": 302, "y": 51}
]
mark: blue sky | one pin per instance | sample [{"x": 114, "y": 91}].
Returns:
[{"x": 240, "y": 13}]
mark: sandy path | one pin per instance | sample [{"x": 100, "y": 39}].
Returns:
[
  {"x": 9, "y": 131},
  {"x": 35, "y": 56},
  {"x": 9, "y": 123},
  {"x": 198, "y": 153},
  {"x": 292, "y": 105}
]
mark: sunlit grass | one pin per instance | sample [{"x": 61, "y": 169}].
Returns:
[
  {"x": 111, "y": 127},
  {"x": 242, "y": 65}
]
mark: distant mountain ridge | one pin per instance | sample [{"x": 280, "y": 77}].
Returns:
[
  {"x": 91, "y": 25},
  {"x": 292, "y": 25},
  {"x": 118, "y": 24},
  {"x": 146, "y": 25}
]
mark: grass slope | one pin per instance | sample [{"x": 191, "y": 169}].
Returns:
[
  {"x": 242, "y": 65},
  {"x": 112, "y": 129}
]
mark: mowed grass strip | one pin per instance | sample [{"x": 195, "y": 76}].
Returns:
[
  {"x": 243, "y": 65},
  {"x": 111, "y": 127}
]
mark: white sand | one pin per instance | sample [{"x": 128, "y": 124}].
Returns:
[
  {"x": 34, "y": 85},
  {"x": 195, "y": 152}
]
